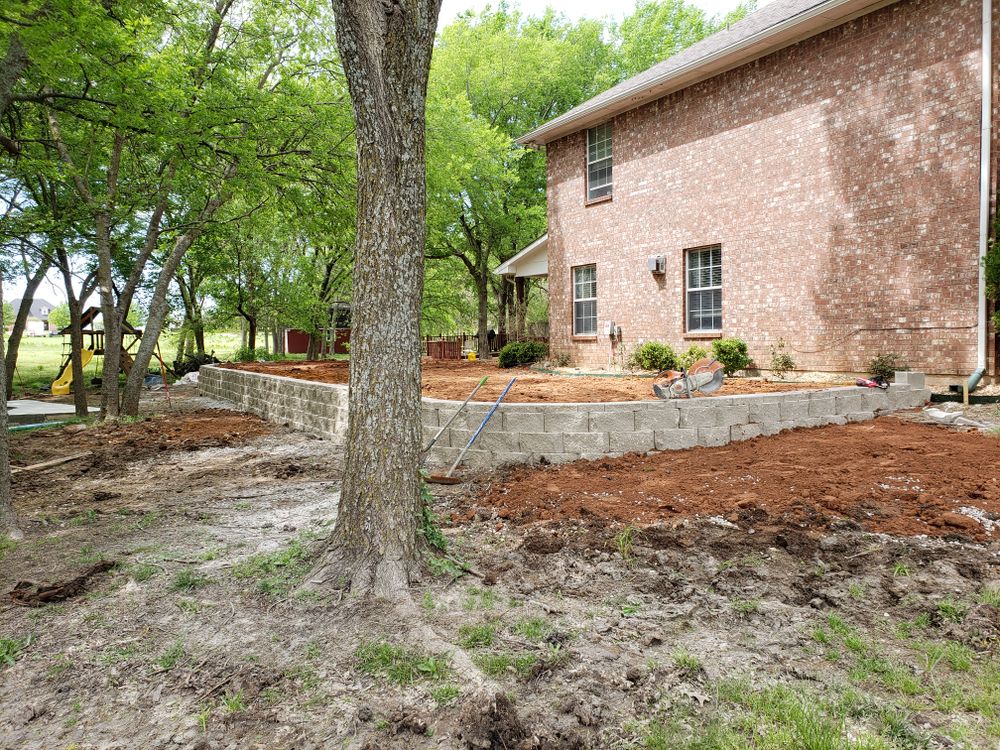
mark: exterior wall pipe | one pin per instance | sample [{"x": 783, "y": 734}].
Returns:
[{"x": 986, "y": 130}]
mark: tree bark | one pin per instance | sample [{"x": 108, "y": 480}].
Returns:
[
  {"x": 8, "y": 517},
  {"x": 520, "y": 307},
  {"x": 21, "y": 321},
  {"x": 75, "y": 305},
  {"x": 386, "y": 49}
]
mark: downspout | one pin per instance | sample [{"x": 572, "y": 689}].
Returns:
[{"x": 986, "y": 129}]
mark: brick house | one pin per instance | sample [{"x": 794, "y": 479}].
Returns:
[{"x": 819, "y": 172}]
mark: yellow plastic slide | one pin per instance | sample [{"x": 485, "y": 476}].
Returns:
[{"x": 60, "y": 386}]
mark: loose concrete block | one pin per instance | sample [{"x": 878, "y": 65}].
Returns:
[
  {"x": 913, "y": 379},
  {"x": 698, "y": 417},
  {"x": 713, "y": 437},
  {"x": 860, "y": 416},
  {"x": 762, "y": 412},
  {"x": 822, "y": 407},
  {"x": 518, "y": 421},
  {"x": 744, "y": 431},
  {"x": 612, "y": 421},
  {"x": 540, "y": 442},
  {"x": 632, "y": 442},
  {"x": 794, "y": 410},
  {"x": 498, "y": 442},
  {"x": 567, "y": 421},
  {"x": 665, "y": 417},
  {"x": 586, "y": 442},
  {"x": 675, "y": 440}
]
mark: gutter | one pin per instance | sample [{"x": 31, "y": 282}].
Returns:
[
  {"x": 986, "y": 129},
  {"x": 820, "y": 11}
]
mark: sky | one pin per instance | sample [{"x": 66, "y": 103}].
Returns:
[{"x": 51, "y": 288}]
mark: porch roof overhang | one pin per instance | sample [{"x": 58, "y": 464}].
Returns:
[{"x": 532, "y": 261}]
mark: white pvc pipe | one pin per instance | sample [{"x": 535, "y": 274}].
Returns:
[{"x": 986, "y": 134}]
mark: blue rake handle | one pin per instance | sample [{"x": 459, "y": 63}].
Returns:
[{"x": 481, "y": 426}]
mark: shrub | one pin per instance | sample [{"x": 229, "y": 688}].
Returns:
[
  {"x": 246, "y": 354},
  {"x": 781, "y": 361},
  {"x": 886, "y": 364},
  {"x": 522, "y": 353},
  {"x": 652, "y": 356},
  {"x": 692, "y": 355},
  {"x": 732, "y": 353},
  {"x": 191, "y": 363}
]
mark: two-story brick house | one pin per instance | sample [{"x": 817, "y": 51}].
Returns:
[{"x": 820, "y": 172}]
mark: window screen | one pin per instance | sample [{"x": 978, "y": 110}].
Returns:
[
  {"x": 599, "y": 161},
  {"x": 585, "y": 301},
  {"x": 704, "y": 289}
]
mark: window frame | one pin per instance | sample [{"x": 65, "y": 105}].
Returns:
[
  {"x": 689, "y": 289},
  {"x": 608, "y": 187},
  {"x": 574, "y": 300}
]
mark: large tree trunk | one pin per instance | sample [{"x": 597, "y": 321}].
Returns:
[
  {"x": 110, "y": 406},
  {"x": 386, "y": 51},
  {"x": 251, "y": 332},
  {"x": 21, "y": 321},
  {"x": 8, "y": 518},
  {"x": 520, "y": 307}
]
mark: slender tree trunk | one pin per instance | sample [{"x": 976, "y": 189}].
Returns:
[
  {"x": 21, "y": 321},
  {"x": 199, "y": 333},
  {"x": 251, "y": 332},
  {"x": 386, "y": 50},
  {"x": 483, "y": 314},
  {"x": 8, "y": 518},
  {"x": 182, "y": 335},
  {"x": 520, "y": 307},
  {"x": 75, "y": 305}
]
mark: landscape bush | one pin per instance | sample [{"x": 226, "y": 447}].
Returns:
[
  {"x": 692, "y": 355},
  {"x": 732, "y": 353},
  {"x": 652, "y": 355},
  {"x": 781, "y": 361},
  {"x": 522, "y": 353},
  {"x": 246, "y": 354},
  {"x": 192, "y": 363},
  {"x": 886, "y": 364}
]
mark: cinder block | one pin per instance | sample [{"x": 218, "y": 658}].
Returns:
[
  {"x": 913, "y": 379},
  {"x": 519, "y": 421},
  {"x": 794, "y": 410},
  {"x": 498, "y": 442},
  {"x": 733, "y": 414},
  {"x": 675, "y": 440},
  {"x": 744, "y": 431},
  {"x": 658, "y": 417},
  {"x": 848, "y": 402},
  {"x": 713, "y": 437},
  {"x": 762, "y": 412},
  {"x": 860, "y": 416},
  {"x": 822, "y": 407},
  {"x": 540, "y": 442},
  {"x": 632, "y": 442},
  {"x": 612, "y": 421},
  {"x": 698, "y": 417},
  {"x": 586, "y": 442},
  {"x": 567, "y": 421}
]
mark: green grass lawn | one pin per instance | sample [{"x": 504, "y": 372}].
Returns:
[{"x": 40, "y": 358}]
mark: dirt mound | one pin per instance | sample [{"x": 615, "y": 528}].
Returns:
[
  {"x": 455, "y": 380},
  {"x": 885, "y": 476}
]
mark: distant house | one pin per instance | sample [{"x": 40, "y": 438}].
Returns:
[
  {"x": 823, "y": 172},
  {"x": 38, "y": 316}
]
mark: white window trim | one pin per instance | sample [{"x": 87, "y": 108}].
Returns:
[
  {"x": 584, "y": 299},
  {"x": 609, "y": 158},
  {"x": 688, "y": 288}
]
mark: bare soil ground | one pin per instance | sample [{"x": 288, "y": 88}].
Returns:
[
  {"x": 780, "y": 628},
  {"x": 455, "y": 379}
]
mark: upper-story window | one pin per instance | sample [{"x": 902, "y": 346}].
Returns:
[{"x": 599, "y": 161}]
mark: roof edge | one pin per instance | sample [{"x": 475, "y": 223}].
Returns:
[{"x": 797, "y": 28}]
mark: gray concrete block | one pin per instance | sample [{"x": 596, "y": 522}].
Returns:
[
  {"x": 498, "y": 442},
  {"x": 540, "y": 442},
  {"x": 612, "y": 421},
  {"x": 913, "y": 379},
  {"x": 561, "y": 458},
  {"x": 660, "y": 417},
  {"x": 744, "y": 431},
  {"x": 822, "y": 407},
  {"x": 733, "y": 414},
  {"x": 793, "y": 410},
  {"x": 523, "y": 421},
  {"x": 860, "y": 416},
  {"x": 586, "y": 442},
  {"x": 675, "y": 440},
  {"x": 632, "y": 442},
  {"x": 762, "y": 412},
  {"x": 848, "y": 402},
  {"x": 698, "y": 417},
  {"x": 713, "y": 437},
  {"x": 567, "y": 421}
]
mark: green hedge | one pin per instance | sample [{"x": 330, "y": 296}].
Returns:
[
  {"x": 732, "y": 353},
  {"x": 652, "y": 356},
  {"x": 522, "y": 353}
]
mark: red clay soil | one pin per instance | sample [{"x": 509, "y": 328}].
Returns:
[
  {"x": 455, "y": 379},
  {"x": 886, "y": 476}
]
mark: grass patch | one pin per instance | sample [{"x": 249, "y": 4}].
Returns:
[
  {"x": 951, "y": 610},
  {"x": 169, "y": 658},
  {"x": 445, "y": 695},
  {"x": 745, "y": 607},
  {"x": 499, "y": 663},
  {"x": 986, "y": 596},
  {"x": 143, "y": 572},
  {"x": 477, "y": 636},
  {"x": 11, "y": 650},
  {"x": 188, "y": 580},
  {"x": 532, "y": 628},
  {"x": 400, "y": 665},
  {"x": 625, "y": 543},
  {"x": 276, "y": 572},
  {"x": 686, "y": 662},
  {"x": 7, "y": 545}
]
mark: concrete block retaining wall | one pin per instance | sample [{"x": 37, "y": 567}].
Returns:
[{"x": 522, "y": 433}]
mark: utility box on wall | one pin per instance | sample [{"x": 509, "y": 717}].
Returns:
[{"x": 657, "y": 264}]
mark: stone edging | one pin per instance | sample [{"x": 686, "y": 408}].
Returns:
[{"x": 524, "y": 433}]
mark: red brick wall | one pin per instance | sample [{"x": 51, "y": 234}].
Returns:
[{"x": 840, "y": 176}]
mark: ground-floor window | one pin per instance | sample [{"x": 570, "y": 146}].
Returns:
[
  {"x": 704, "y": 289},
  {"x": 585, "y": 301}
]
